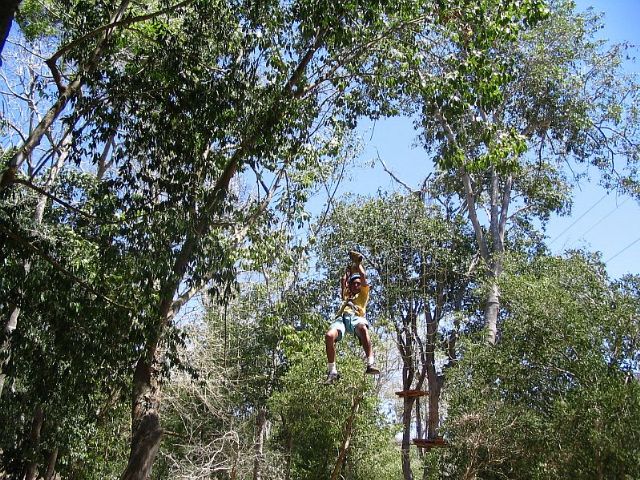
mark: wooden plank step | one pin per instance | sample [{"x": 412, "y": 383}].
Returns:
[
  {"x": 412, "y": 393},
  {"x": 430, "y": 442}
]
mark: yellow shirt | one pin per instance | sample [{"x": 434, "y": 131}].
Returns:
[{"x": 356, "y": 304}]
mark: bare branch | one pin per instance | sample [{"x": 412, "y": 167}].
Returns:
[{"x": 393, "y": 176}]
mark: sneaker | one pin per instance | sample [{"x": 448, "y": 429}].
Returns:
[
  {"x": 332, "y": 378},
  {"x": 372, "y": 370}
]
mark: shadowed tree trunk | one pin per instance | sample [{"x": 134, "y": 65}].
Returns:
[
  {"x": 405, "y": 335},
  {"x": 8, "y": 9},
  {"x": 31, "y": 469},
  {"x": 145, "y": 420},
  {"x": 51, "y": 465},
  {"x": 432, "y": 377},
  {"x": 405, "y": 453}
]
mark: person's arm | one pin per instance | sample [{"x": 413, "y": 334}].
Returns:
[
  {"x": 363, "y": 274},
  {"x": 344, "y": 291},
  {"x": 356, "y": 265}
]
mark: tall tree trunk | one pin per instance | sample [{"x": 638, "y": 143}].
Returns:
[
  {"x": 491, "y": 253},
  {"x": 145, "y": 419},
  {"x": 346, "y": 437},
  {"x": 418, "y": 409},
  {"x": 31, "y": 469},
  {"x": 405, "y": 451},
  {"x": 406, "y": 349},
  {"x": 500, "y": 196},
  {"x": 261, "y": 422}
]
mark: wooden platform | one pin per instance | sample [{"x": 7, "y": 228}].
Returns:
[
  {"x": 429, "y": 443},
  {"x": 412, "y": 393}
]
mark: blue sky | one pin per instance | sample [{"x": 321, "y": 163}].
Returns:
[{"x": 599, "y": 221}]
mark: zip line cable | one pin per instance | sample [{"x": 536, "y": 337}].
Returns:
[
  {"x": 577, "y": 220},
  {"x": 624, "y": 249}
]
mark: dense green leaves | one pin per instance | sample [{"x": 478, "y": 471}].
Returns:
[
  {"x": 173, "y": 146},
  {"x": 556, "y": 396}
]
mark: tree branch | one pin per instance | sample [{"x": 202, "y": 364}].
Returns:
[{"x": 113, "y": 24}]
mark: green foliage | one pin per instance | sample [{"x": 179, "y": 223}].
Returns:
[
  {"x": 70, "y": 354},
  {"x": 544, "y": 94},
  {"x": 413, "y": 251},
  {"x": 313, "y": 416},
  {"x": 34, "y": 18},
  {"x": 556, "y": 397}
]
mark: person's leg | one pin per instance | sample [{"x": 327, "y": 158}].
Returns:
[
  {"x": 362, "y": 332},
  {"x": 333, "y": 335},
  {"x": 330, "y": 339}
]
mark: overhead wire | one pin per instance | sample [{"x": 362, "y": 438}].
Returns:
[
  {"x": 603, "y": 218},
  {"x": 578, "y": 219},
  {"x": 623, "y": 250}
]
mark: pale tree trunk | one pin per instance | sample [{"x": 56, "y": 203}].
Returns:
[
  {"x": 31, "y": 470},
  {"x": 346, "y": 437},
  {"x": 491, "y": 312},
  {"x": 500, "y": 201},
  {"x": 261, "y": 422},
  {"x": 492, "y": 249},
  {"x": 492, "y": 305},
  {"x": 14, "y": 312}
]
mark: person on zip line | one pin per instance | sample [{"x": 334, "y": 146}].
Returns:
[{"x": 351, "y": 317}]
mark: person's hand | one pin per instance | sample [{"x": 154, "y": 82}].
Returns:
[{"x": 356, "y": 257}]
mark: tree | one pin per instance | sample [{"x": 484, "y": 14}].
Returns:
[
  {"x": 419, "y": 260},
  {"x": 326, "y": 430},
  {"x": 503, "y": 112},
  {"x": 557, "y": 396},
  {"x": 71, "y": 352},
  {"x": 180, "y": 106}
]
